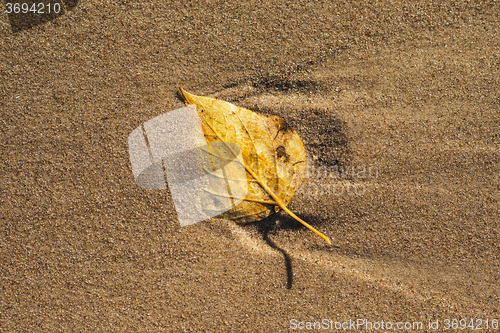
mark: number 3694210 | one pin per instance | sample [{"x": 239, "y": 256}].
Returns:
[{"x": 35, "y": 8}]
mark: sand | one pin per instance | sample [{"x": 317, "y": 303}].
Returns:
[{"x": 397, "y": 103}]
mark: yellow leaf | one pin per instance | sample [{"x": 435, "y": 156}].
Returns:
[{"x": 273, "y": 156}]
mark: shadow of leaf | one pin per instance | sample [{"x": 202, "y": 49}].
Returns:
[{"x": 265, "y": 227}]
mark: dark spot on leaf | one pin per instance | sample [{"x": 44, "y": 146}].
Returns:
[{"x": 281, "y": 152}]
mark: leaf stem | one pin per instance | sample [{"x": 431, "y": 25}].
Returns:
[
  {"x": 282, "y": 206},
  {"x": 307, "y": 225}
]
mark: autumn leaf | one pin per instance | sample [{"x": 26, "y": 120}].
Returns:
[{"x": 273, "y": 157}]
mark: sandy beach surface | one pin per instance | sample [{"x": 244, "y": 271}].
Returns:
[{"x": 397, "y": 103}]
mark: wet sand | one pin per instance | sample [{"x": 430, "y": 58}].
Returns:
[{"x": 398, "y": 107}]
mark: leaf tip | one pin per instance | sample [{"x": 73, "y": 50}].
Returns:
[{"x": 188, "y": 98}]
